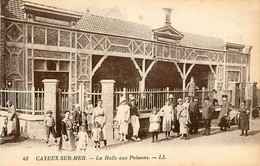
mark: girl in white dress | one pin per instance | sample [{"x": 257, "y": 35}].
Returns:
[
  {"x": 154, "y": 124},
  {"x": 167, "y": 113},
  {"x": 83, "y": 138}
]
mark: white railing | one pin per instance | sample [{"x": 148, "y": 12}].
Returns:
[
  {"x": 68, "y": 99},
  {"x": 151, "y": 98},
  {"x": 27, "y": 102}
]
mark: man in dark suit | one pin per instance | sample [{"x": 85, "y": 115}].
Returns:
[
  {"x": 76, "y": 118},
  {"x": 207, "y": 112},
  {"x": 194, "y": 115}
]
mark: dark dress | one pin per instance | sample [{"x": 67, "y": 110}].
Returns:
[
  {"x": 67, "y": 131},
  {"x": 13, "y": 122},
  {"x": 223, "y": 121},
  {"x": 243, "y": 123}
]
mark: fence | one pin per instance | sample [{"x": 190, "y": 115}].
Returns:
[
  {"x": 27, "y": 102},
  {"x": 68, "y": 99},
  {"x": 151, "y": 98}
]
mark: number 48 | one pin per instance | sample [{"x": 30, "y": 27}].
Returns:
[{"x": 25, "y": 158}]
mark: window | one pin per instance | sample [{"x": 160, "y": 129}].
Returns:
[{"x": 233, "y": 76}]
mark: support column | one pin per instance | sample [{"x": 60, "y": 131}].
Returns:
[
  {"x": 107, "y": 96},
  {"x": 234, "y": 87},
  {"x": 50, "y": 95},
  {"x": 251, "y": 94}
]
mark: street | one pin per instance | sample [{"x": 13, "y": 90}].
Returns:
[{"x": 219, "y": 148}]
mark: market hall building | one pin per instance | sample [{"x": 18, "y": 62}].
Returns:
[{"x": 43, "y": 42}]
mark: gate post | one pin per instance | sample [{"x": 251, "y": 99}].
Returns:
[
  {"x": 251, "y": 95},
  {"x": 107, "y": 96},
  {"x": 50, "y": 95},
  {"x": 234, "y": 87}
]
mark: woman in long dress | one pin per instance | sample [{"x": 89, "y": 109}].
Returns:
[
  {"x": 243, "y": 123},
  {"x": 13, "y": 125},
  {"x": 167, "y": 112},
  {"x": 67, "y": 141},
  {"x": 122, "y": 118},
  {"x": 223, "y": 118},
  {"x": 99, "y": 116},
  {"x": 184, "y": 118}
]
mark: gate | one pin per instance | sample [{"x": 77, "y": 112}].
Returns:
[{"x": 68, "y": 99}]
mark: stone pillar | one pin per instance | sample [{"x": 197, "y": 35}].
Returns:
[
  {"x": 251, "y": 94},
  {"x": 107, "y": 96},
  {"x": 50, "y": 95},
  {"x": 234, "y": 87}
]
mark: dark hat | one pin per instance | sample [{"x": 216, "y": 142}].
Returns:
[
  {"x": 49, "y": 112},
  {"x": 206, "y": 98},
  {"x": 224, "y": 95}
]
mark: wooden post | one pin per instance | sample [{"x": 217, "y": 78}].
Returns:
[
  {"x": 203, "y": 95},
  {"x": 168, "y": 93},
  {"x": 124, "y": 93},
  {"x": 33, "y": 100},
  {"x": 81, "y": 95}
]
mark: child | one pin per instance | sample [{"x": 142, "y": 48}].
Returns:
[
  {"x": 96, "y": 134},
  {"x": 83, "y": 138},
  {"x": 85, "y": 121},
  {"x": 49, "y": 126},
  {"x": 154, "y": 124},
  {"x": 4, "y": 129}
]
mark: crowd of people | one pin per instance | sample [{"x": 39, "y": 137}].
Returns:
[{"x": 90, "y": 123}]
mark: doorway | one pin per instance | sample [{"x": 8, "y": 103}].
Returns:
[{"x": 63, "y": 77}]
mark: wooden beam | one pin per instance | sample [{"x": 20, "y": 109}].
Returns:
[
  {"x": 137, "y": 67},
  {"x": 98, "y": 65},
  {"x": 150, "y": 67},
  {"x": 212, "y": 70},
  {"x": 189, "y": 70},
  {"x": 179, "y": 70}
]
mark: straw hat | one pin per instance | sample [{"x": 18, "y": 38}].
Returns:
[
  {"x": 171, "y": 96},
  {"x": 180, "y": 100},
  {"x": 49, "y": 112}
]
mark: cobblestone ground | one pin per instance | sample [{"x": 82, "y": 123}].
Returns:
[{"x": 220, "y": 148}]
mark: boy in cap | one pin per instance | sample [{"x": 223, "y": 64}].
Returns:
[
  {"x": 49, "y": 123},
  {"x": 76, "y": 118},
  {"x": 207, "y": 112},
  {"x": 134, "y": 118},
  {"x": 191, "y": 88}
]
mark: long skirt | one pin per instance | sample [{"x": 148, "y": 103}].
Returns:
[
  {"x": 123, "y": 128},
  {"x": 243, "y": 122},
  {"x": 167, "y": 123},
  {"x": 183, "y": 125},
  {"x": 69, "y": 144},
  {"x": 224, "y": 122}
]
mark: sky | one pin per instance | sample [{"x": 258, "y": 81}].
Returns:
[{"x": 232, "y": 20}]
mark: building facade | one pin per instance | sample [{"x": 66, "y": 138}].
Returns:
[{"x": 42, "y": 42}]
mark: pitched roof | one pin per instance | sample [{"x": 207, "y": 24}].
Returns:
[
  {"x": 101, "y": 24},
  {"x": 13, "y": 9},
  {"x": 195, "y": 40},
  {"x": 112, "y": 26}
]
